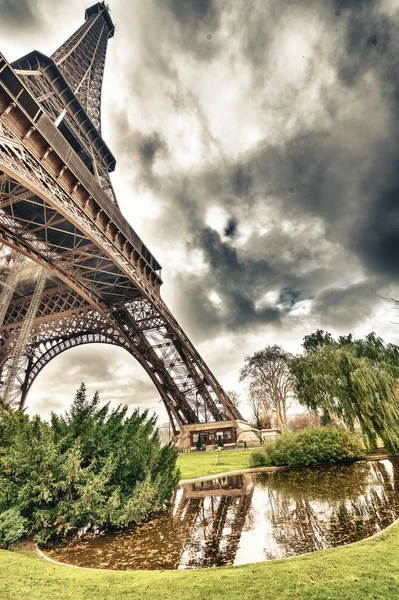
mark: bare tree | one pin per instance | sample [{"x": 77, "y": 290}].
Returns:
[
  {"x": 261, "y": 409},
  {"x": 303, "y": 420},
  {"x": 234, "y": 397},
  {"x": 255, "y": 402},
  {"x": 267, "y": 372}
]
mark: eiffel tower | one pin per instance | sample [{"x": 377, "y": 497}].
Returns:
[{"x": 74, "y": 271}]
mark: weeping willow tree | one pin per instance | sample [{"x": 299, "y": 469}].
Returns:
[{"x": 356, "y": 381}]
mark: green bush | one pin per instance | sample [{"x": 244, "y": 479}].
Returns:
[
  {"x": 93, "y": 467},
  {"x": 308, "y": 447},
  {"x": 13, "y": 527}
]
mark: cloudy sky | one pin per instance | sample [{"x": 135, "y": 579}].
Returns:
[{"x": 257, "y": 156}]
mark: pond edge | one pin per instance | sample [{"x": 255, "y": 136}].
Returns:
[
  {"x": 273, "y": 469},
  {"x": 36, "y": 550},
  {"x": 44, "y": 556}
]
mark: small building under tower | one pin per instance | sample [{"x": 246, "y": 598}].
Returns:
[
  {"x": 233, "y": 433},
  {"x": 210, "y": 433}
]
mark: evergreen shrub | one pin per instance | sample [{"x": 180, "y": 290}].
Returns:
[
  {"x": 13, "y": 526},
  {"x": 92, "y": 468},
  {"x": 308, "y": 447}
]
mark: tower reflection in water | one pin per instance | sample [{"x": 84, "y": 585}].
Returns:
[{"x": 250, "y": 518}]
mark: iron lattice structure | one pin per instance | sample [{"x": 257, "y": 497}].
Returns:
[{"x": 58, "y": 208}]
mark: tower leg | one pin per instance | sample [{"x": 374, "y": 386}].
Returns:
[
  {"x": 10, "y": 284},
  {"x": 12, "y": 387}
]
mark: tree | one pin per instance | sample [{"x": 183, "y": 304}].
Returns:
[
  {"x": 261, "y": 409},
  {"x": 220, "y": 442},
  {"x": 355, "y": 381},
  {"x": 234, "y": 398},
  {"x": 317, "y": 340},
  {"x": 270, "y": 381},
  {"x": 256, "y": 403},
  {"x": 93, "y": 467},
  {"x": 303, "y": 421},
  {"x": 199, "y": 442}
]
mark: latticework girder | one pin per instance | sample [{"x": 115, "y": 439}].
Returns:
[
  {"x": 11, "y": 389},
  {"x": 52, "y": 336},
  {"x": 10, "y": 284},
  {"x": 81, "y": 59},
  {"x": 56, "y": 208}
]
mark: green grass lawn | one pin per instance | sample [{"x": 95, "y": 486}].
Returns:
[
  {"x": 368, "y": 569},
  {"x": 197, "y": 464},
  {"x": 365, "y": 570}
]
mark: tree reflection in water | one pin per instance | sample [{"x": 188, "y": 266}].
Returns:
[
  {"x": 247, "y": 518},
  {"x": 320, "y": 508}
]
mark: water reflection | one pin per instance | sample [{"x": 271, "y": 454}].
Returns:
[{"x": 249, "y": 518}]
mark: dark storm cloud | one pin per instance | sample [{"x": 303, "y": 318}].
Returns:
[
  {"x": 370, "y": 39},
  {"x": 186, "y": 11},
  {"x": 198, "y": 22},
  {"x": 149, "y": 147},
  {"x": 272, "y": 260},
  {"x": 297, "y": 173},
  {"x": 237, "y": 281},
  {"x": 142, "y": 150},
  {"x": 372, "y": 48},
  {"x": 288, "y": 297},
  {"x": 344, "y": 308},
  {"x": 378, "y": 232},
  {"x": 244, "y": 312},
  {"x": 238, "y": 312},
  {"x": 321, "y": 197},
  {"x": 256, "y": 38},
  {"x": 241, "y": 181},
  {"x": 231, "y": 228},
  {"x": 20, "y": 13}
]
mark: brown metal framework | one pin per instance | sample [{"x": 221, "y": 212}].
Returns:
[{"x": 57, "y": 207}]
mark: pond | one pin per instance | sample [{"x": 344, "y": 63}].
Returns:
[{"x": 252, "y": 518}]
